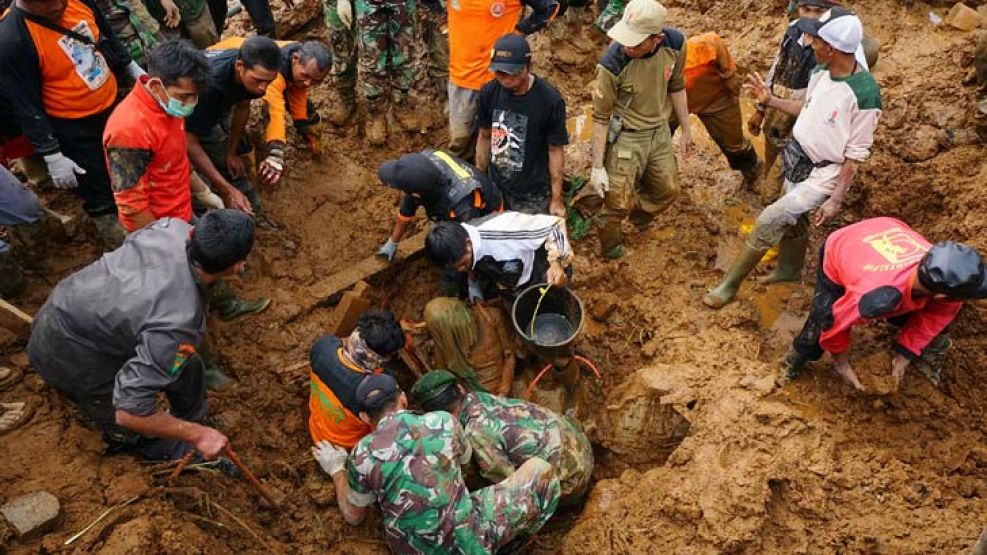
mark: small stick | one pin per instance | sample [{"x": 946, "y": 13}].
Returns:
[
  {"x": 181, "y": 465},
  {"x": 250, "y": 476},
  {"x": 100, "y": 518},
  {"x": 250, "y": 531}
]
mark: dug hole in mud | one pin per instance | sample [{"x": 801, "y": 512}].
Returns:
[{"x": 697, "y": 451}]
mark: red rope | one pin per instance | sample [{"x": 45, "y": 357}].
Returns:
[{"x": 579, "y": 358}]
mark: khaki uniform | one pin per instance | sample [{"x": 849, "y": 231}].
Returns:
[{"x": 640, "y": 162}]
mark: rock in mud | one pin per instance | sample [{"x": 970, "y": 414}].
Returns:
[
  {"x": 648, "y": 414},
  {"x": 33, "y": 514}
]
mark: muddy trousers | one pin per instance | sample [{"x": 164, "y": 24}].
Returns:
[
  {"x": 643, "y": 180},
  {"x": 215, "y": 144},
  {"x": 820, "y": 319},
  {"x": 724, "y": 123},
  {"x": 342, "y": 45},
  {"x": 82, "y": 141},
  {"x": 516, "y": 507},
  {"x": 435, "y": 32},
  {"x": 387, "y": 34},
  {"x": 788, "y": 216},
  {"x": 261, "y": 16},
  {"x": 462, "y": 121}
]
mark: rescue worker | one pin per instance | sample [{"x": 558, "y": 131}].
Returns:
[
  {"x": 473, "y": 29},
  {"x": 832, "y": 136},
  {"x": 713, "y": 88},
  {"x": 788, "y": 78},
  {"x": 303, "y": 65},
  {"x": 522, "y": 134},
  {"x": 506, "y": 433},
  {"x": 338, "y": 367},
  {"x": 217, "y": 124},
  {"x": 147, "y": 156},
  {"x": 120, "y": 332},
  {"x": 639, "y": 81},
  {"x": 881, "y": 269},
  {"x": 63, "y": 103},
  {"x": 503, "y": 254},
  {"x": 410, "y": 465},
  {"x": 133, "y": 25},
  {"x": 448, "y": 188},
  {"x": 473, "y": 341},
  {"x": 191, "y": 19}
]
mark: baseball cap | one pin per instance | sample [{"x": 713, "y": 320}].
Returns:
[
  {"x": 838, "y": 27},
  {"x": 411, "y": 173},
  {"x": 820, "y": 3},
  {"x": 431, "y": 385},
  {"x": 510, "y": 54},
  {"x": 955, "y": 270},
  {"x": 374, "y": 390},
  {"x": 641, "y": 19}
]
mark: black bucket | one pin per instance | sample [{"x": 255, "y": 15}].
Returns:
[{"x": 557, "y": 324}]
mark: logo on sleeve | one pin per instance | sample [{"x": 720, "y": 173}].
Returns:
[{"x": 182, "y": 354}]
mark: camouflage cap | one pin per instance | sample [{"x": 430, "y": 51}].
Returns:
[{"x": 431, "y": 385}]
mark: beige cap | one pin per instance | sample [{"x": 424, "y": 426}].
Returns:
[{"x": 642, "y": 18}]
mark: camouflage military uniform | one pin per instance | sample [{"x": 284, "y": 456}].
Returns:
[
  {"x": 410, "y": 465},
  {"x": 504, "y": 433},
  {"x": 388, "y": 33},
  {"x": 134, "y": 26},
  {"x": 610, "y": 15},
  {"x": 341, "y": 44}
]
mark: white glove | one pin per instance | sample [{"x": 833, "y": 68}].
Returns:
[
  {"x": 388, "y": 251},
  {"x": 599, "y": 181},
  {"x": 63, "y": 171},
  {"x": 475, "y": 291},
  {"x": 332, "y": 459},
  {"x": 135, "y": 71},
  {"x": 209, "y": 199},
  {"x": 344, "y": 9}
]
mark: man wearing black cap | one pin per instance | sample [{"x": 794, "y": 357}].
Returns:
[
  {"x": 522, "y": 133},
  {"x": 448, "y": 188},
  {"x": 118, "y": 333},
  {"x": 410, "y": 465},
  {"x": 881, "y": 269}
]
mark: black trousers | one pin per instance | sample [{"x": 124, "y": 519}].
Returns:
[
  {"x": 218, "y": 9},
  {"x": 806, "y": 343},
  {"x": 82, "y": 141},
  {"x": 260, "y": 15}
]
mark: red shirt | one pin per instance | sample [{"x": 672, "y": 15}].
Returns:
[
  {"x": 147, "y": 158},
  {"x": 875, "y": 261}
]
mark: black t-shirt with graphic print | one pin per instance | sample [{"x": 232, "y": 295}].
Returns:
[{"x": 521, "y": 130}]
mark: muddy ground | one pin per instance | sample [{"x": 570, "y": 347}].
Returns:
[{"x": 811, "y": 468}]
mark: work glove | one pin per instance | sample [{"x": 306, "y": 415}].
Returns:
[
  {"x": 332, "y": 459},
  {"x": 272, "y": 168},
  {"x": 344, "y": 9},
  {"x": 475, "y": 292},
  {"x": 63, "y": 171},
  {"x": 135, "y": 71},
  {"x": 209, "y": 199},
  {"x": 388, "y": 251},
  {"x": 599, "y": 181}
]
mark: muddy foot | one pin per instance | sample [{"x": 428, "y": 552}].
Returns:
[{"x": 14, "y": 415}]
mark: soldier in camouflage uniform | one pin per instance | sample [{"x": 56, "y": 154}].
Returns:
[
  {"x": 506, "y": 433},
  {"x": 339, "y": 20},
  {"x": 134, "y": 26},
  {"x": 410, "y": 464},
  {"x": 610, "y": 15}
]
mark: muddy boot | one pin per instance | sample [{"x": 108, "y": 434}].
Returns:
[
  {"x": 11, "y": 274},
  {"x": 110, "y": 232},
  {"x": 404, "y": 116},
  {"x": 343, "y": 109},
  {"x": 376, "y": 125},
  {"x": 611, "y": 240},
  {"x": 930, "y": 363},
  {"x": 216, "y": 379},
  {"x": 35, "y": 170},
  {"x": 791, "y": 258},
  {"x": 724, "y": 292},
  {"x": 790, "y": 369},
  {"x": 230, "y": 306}
]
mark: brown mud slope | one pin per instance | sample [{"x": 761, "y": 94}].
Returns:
[{"x": 813, "y": 468}]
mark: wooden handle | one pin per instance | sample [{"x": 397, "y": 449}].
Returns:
[
  {"x": 250, "y": 476},
  {"x": 181, "y": 465}
]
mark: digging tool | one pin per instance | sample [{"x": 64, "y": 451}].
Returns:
[
  {"x": 181, "y": 466},
  {"x": 250, "y": 476}
]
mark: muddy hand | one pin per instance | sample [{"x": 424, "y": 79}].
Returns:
[
  {"x": 826, "y": 212},
  {"x": 757, "y": 88},
  {"x": 236, "y": 200},
  {"x": 172, "y": 16},
  {"x": 556, "y": 275},
  {"x": 844, "y": 369},
  {"x": 235, "y": 165},
  {"x": 210, "y": 443},
  {"x": 898, "y": 366},
  {"x": 754, "y": 123}
]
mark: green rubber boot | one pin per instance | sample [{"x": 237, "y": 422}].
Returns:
[
  {"x": 724, "y": 292},
  {"x": 230, "y": 306},
  {"x": 791, "y": 259},
  {"x": 611, "y": 240}
]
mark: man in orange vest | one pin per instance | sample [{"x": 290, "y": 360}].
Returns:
[
  {"x": 60, "y": 61},
  {"x": 338, "y": 367},
  {"x": 713, "y": 89}
]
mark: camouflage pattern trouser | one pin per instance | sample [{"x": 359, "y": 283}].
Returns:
[
  {"x": 516, "y": 507},
  {"x": 576, "y": 467},
  {"x": 435, "y": 33},
  {"x": 610, "y": 15},
  {"x": 342, "y": 46},
  {"x": 387, "y": 33},
  {"x": 643, "y": 175}
]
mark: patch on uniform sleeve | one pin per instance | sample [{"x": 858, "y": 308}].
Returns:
[
  {"x": 127, "y": 166},
  {"x": 182, "y": 354},
  {"x": 879, "y": 301}
]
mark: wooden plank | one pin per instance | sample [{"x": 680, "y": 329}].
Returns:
[{"x": 14, "y": 319}]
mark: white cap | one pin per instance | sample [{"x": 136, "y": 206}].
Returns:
[
  {"x": 838, "y": 27},
  {"x": 641, "y": 19}
]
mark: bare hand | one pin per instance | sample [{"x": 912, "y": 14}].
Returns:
[
  {"x": 556, "y": 275},
  {"x": 686, "y": 143},
  {"x": 898, "y": 366},
  {"x": 758, "y": 88},
  {"x": 211, "y": 443},
  {"x": 172, "y": 16},
  {"x": 843, "y": 368},
  {"x": 827, "y": 211},
  {"x": 755, "y": 122},
  {"x": 234, "y": 164},
  {"x": 557, "y": 208},
  {"x": 236, "y": 200}
]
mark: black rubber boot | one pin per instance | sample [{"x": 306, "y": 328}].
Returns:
[{"x": 791, "y": 368}]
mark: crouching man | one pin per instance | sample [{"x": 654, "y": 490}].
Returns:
[
  {"x": 126, "y": 328},
  {"x": 410, "y": 465}
]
